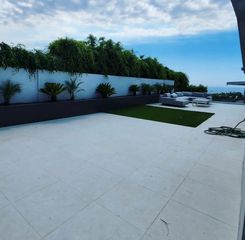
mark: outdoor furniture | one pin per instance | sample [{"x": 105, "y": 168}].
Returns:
[
  {"x": 181, "y": 99},
  {"x": 201, "y": 101},
  {"x": 194, "y": 95},
  {"x": 173, "y": 101}
]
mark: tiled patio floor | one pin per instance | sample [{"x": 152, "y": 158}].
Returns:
[{"x": 108, "y": 177}]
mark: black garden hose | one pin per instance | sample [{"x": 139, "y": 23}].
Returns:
[{"x": 227, "y": 131}]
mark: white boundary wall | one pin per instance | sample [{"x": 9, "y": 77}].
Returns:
[{"x": 31, "y": 84}]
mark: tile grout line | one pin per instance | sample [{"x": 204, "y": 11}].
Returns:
[
  {"x": 82, "y": 209},
  {"x": 67, "y": 220},
  {"x": 117, "y": 215},
  {"x": 145, "y": 232},
  {"x": 171, "y": 197},
  {"x": 150, "y": 190},
  {"x": 209, "y": 186},
  {"x": 28, "y": 223},
  {"x": 205, "y": 214}
]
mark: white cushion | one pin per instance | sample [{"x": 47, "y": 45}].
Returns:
[{"x": 180, "y": 94}]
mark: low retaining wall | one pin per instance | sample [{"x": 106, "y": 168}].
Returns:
[{"x": 35, "y": 112}]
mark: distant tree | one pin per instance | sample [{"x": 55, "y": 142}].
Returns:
[
  {"x": 71, "y": 55},
  {"x": 181, "y": 81},
  {"x": 7, "y": 59},
  {"x": 91, "y": 41}
]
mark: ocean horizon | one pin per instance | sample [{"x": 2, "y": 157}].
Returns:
[{"x": 225, "y": 89}]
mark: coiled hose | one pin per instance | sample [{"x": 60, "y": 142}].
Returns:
[{"x": 227, "y": 131}]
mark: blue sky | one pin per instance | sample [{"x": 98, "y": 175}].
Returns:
[
  {"x": 197, "y": 37},
  {"x": 208, "y": 58}
]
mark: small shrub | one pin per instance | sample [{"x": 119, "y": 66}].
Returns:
[
  {"x": 157, "y": 88},
  {"x": 73, "y": 87},
  {"x": 227, "y": 97},
  {"x": 134, "y": 89},
  {"x": 166, "y": 89},
  {"x": 146, "y": 88},
  {"x": 105, "y": 89},
  {"x": 8, "y": 89},
  {"x": 53, "y": 90},
  {"x": 152, "y": 89}
]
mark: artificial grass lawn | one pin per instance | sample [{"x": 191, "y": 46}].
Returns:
[{"x": 167, "y": 115}]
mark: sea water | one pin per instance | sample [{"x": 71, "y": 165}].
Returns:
[{"x": 227, "y": 89}]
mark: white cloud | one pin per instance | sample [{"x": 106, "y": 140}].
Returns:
[{"x": 36, "y": 22}]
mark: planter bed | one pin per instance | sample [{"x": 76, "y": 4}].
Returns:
[{"x": 35, "y": 112}]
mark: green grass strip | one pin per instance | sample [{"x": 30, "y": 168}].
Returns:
[{"x": 166, "y": 115}]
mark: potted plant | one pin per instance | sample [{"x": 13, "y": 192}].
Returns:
[
  {"x": 73, "y": 87},
  {"x": 53, "y": 90},
  {"x": 157, "y": 88},
  {"x": 146, "y": 88},
  {"x": 8, "y": 89},
  {"x": 134, "y": 89},
  {"x": 105, "y": 89},
  {"x": 165, "y": 89}
]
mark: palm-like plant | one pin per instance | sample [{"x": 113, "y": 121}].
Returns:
[
  {"x": 8, "y": 89},
  {"x": 134, "y": 89},
  {"x": 105, "y": 89},
  {"x": 73, "y": 87},
  {"x": 165, "y": 88},
  {"x": 157, "y": 88},
  {"x": 53, "y": 90},
  {"x": 146, "y": 88}
]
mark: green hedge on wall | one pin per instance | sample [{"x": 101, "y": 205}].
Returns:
[{"x": 99, "y": 56}]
